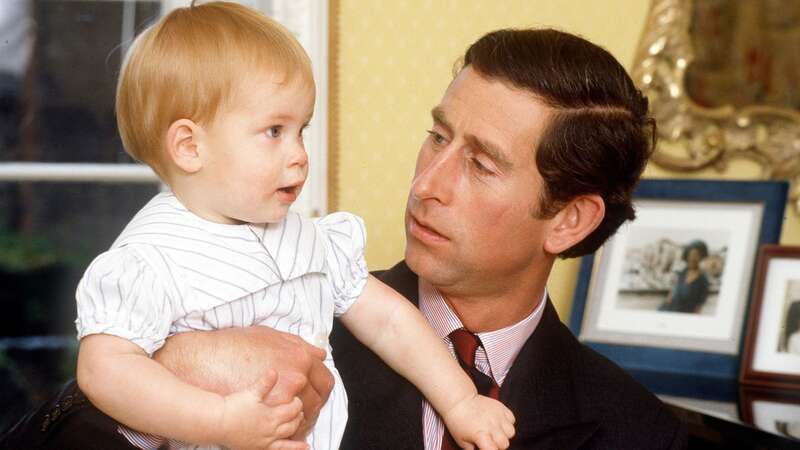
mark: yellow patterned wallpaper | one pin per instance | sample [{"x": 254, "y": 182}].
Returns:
[{"x": 395, "y": 60}]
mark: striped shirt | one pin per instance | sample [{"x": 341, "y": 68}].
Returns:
[
  {"x": 494, "y": 358},
  {"x": 171, "y": 271}
]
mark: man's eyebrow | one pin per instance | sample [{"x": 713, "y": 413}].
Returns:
[
  {"x": 438, "y": 116},
  {"x": 483, "y": 146},
  {"x": 490, "y": 150}
]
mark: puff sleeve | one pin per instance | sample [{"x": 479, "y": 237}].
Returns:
[
  {"x": 344, "y": 238},
  {"x": 121, "y": 295}
]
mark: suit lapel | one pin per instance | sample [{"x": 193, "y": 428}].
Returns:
[{"x": 539, "y": 389}]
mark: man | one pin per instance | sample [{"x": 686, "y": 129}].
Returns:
[{"x": 534, "y": 151}]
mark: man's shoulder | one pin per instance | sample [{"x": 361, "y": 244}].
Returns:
[
  {"x": 398, "y": 273},
  {"x": 627, "y": 412},
  {"x": 401, "y": 278},
  {"x": 603, "y": 380},
  {"x": 578, "y": 386}
]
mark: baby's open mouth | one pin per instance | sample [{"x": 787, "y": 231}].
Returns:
[{"x": 292, "y": 191}]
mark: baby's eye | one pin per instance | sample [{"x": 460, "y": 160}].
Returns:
[{"x": 274, "y": 132}]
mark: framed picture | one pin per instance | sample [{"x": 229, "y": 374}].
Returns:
[
  {"x": 669, "y": 291},
  {"x": 772, "y": 347},
  {"x": 776, "y": 411}
]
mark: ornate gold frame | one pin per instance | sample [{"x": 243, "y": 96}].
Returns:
[{"x": 692, "y": 137}]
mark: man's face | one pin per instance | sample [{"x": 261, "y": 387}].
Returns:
[{"x": 469, "y": 218}]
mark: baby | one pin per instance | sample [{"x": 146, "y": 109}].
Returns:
[{"x": 215, "y": 99}]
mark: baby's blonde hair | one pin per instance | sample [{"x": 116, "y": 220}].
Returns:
[{"x": 186, "y": 66}]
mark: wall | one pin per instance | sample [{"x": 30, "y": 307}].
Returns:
[{"x": 394, "y": 62}]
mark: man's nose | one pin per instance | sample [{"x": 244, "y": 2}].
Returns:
[{"x": 437, "y": 176}]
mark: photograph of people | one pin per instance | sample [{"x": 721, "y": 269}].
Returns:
[{"x": 691, "y": 288}]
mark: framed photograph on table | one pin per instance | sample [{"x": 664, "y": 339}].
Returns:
[
  {"x": 772, "y": 346},
  {"x": 669, "y": 292}
]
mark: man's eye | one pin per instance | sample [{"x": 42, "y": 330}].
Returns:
[
  {"x": 438, "y": 139},
  {"x": 480, "y": 167},
  {"x": 274, "y": 132}
]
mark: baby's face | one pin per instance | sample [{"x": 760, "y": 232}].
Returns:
[{"x": 256, "y": 162}]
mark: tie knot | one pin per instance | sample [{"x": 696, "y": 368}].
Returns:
[{"x": 465, "y": 344}]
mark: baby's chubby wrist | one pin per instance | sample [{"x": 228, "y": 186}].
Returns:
[{"x": 458, "y": 402}]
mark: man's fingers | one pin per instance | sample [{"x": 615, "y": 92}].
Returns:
[
  {"x": 312, "y": 402},
  {"x": 316, "y": 393},
  {"x": 264, "y": 384},
  {"x": 306, "y": 424},
  {"x": 284, "y": 444},
  {"x": 321, "y": 380},
  {"x": 291, "y": 384},
  {"x": 317, "y": 352}
]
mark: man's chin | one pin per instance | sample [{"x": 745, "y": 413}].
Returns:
[{"x": 424, "y": 262}]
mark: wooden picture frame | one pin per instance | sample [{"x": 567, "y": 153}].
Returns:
[{"x": 771, "y": 354}]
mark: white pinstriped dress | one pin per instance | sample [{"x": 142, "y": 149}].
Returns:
[{"x": 171, "y": 271}]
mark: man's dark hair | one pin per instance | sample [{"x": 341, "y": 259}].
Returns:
[{"x": 599, "y": 137}]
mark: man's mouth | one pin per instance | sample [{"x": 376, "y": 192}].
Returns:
[{"x": 424, "y": 231}]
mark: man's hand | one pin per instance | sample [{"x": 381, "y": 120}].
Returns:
[{"x": 233, "y": 359}]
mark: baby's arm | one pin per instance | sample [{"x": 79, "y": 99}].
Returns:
[
  {"x": 121, "y": 380},
  {"x": 396, "y": 331}
]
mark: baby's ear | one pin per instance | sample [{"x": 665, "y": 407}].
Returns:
[{"x": 183, "y": 145}]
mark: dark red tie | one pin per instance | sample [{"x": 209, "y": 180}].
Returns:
[{"x": 465, "y": 344}]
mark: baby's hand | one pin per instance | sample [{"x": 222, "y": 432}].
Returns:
[
  {"x": 480, "y": 422},
  {"x": 249, "y": 423}
]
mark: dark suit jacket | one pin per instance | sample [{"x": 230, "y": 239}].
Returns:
[{"x": 563, "y": 394}]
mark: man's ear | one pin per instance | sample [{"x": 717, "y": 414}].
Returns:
[
  {"x": 183, "y": 146},
  {"x": 574, "y": 222}
]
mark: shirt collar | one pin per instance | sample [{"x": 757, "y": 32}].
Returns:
[
  {"x": 292, "y": 247},
  {"x": 295, "y": 244},
  {"x": 501, "y": 346}
]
